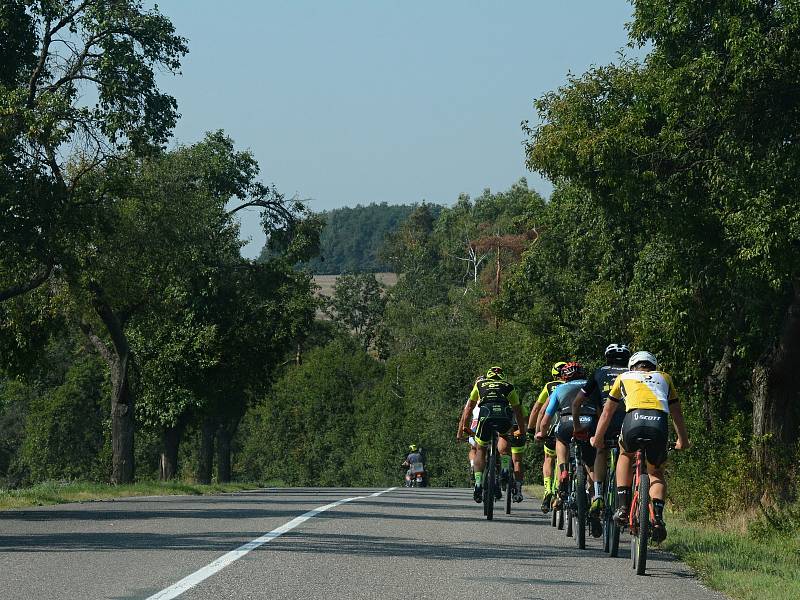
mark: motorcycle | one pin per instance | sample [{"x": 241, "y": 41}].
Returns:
[{"x": 415, "y": 475}]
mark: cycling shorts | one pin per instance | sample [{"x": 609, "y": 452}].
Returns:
[
  {"x": 550, "y": 445},
  {"x": 564, "y": 434},
  {"x": 646, "y": 429},
  {"x": 493, "y": 416}
]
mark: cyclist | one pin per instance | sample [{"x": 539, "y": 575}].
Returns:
[
  {"x": 473, "y": 424},
  {"x": 596, "y": 390},
  {"x": 498, "y": 400},
  {"x": 549, "y": 440},
  {"x": 560, "y": 403},
  {"x": 649, "y": 396}
]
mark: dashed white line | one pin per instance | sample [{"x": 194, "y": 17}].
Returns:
[{"x": 223, "y": 561}]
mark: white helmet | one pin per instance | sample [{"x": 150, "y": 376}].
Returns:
[{"x": 642, "y": 356}]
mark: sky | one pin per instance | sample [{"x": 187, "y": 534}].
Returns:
[{"x": 346, "y": 102}]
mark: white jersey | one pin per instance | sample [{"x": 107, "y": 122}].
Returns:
[{"x": 474, "y": 423}]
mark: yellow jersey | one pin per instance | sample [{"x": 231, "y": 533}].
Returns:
[{"x": 644, "y": 389}]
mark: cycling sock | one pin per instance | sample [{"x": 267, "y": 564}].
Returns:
[
  {"x": 548, "y": 483},
  {"x": 505, "y": 462},
  {"x": 478, "y": 477},
  {"x": 472, "y": 462},
  {"x": 598, "y": 489},
  {"x": 623, "y": 497},
  {"x": 658, "y": 508}
]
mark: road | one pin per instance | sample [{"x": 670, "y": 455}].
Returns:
[{"x": 402, "y": 543}]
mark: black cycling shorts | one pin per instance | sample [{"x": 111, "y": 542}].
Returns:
[
  {"x": 646, "y": 429},
  {"x": 564, "y": 434},
  {"x": 493, "y": 416}
]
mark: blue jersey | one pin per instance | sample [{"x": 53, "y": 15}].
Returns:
[{"x": 561, "y": 398}]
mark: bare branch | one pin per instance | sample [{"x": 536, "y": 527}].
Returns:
[{"x": 99, "y": 344}]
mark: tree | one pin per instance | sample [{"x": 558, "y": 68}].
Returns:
[{"x": 358, "y": 305}]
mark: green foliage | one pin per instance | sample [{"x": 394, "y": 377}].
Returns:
[
  {"x": 352, "y": 238},
  {"x": 358, "y": 306},
  {"x": 303, "y": 432},
  {"x": 65, "y": 433}
]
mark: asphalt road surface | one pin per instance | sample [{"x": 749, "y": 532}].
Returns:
[{"x": 402, "y": 543}]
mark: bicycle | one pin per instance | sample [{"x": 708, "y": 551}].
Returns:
[
  {"x": 642, "y": 515},
  {"x": 611, "y": 530},
  {"x": 576, "y": 505}
]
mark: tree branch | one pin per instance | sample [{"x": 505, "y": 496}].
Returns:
[{"x": 24, "y": 288}]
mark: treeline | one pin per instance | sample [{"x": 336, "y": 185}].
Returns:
[
  {"x": 352, "y": 239},
  {"x": 129, "y": 321}
]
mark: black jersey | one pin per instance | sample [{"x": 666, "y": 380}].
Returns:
[{"x": 599, "y": 384}]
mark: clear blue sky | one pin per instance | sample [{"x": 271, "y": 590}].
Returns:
[{"x": 347, "y": 102}]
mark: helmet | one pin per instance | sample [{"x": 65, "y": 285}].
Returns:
[
  {"x": 617, "y": 353},
  {"x": 494, "y": 372},
  {"x": 413, "y": 447},
  {"x": 572, "y": 370},
  {"x": 556, "y": 370},
  {"x": 641, "y": 357}
]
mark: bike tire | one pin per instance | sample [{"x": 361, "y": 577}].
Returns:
[
  {"x": 560, "y": 519},
  {"x": 491, "y": 482},
  {"x": 568, "y": 517},
  {"x": 581, "y": 508},
  {"x": 644, "y": 524},
  {"x": 509, "y": 487},
  {"x": 553, "y": 517}
]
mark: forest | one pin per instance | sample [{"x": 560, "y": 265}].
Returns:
[{"x": 137, "y": 343}]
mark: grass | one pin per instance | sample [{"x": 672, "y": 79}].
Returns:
[
  {"x": 737, "y": 564},
  {"x": 59, "y": 493}
]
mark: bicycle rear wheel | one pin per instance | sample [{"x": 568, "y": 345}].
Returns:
[
  {"x": 644, "y": 524},
  {"x": 490, "y": 483},
  {"x": 509, "y": 488},
  {"x": 553, "y": 517},
  {"x": 581, "y": 508}
]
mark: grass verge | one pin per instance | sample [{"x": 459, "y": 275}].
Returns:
[
  {"x": 60, "y": 493},
  {"x": 737, "y": 564}
]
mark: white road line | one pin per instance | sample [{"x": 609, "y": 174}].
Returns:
[{"x": 223, "y": 561}]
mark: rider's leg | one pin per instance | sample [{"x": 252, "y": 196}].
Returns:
[
  {"x": 504, "y": 449},
  {"x": 480, "y": 463},
  {"x": 562, "y": 457},
  {"x": 599, "y": 475},
  {"x": 658, "y": 490},
  {"x": 624, "y": 482}
]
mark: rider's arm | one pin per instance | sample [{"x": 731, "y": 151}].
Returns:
[
  {"x": 677, "y": 417},
  {"x": 533, "y": 420},
  {"x": 577, "y": 403},
  {"x": 605, "y": 418},
  {"x": 465, "y": 415},
  {"x": 548, "y": 413},
  {"x": 534, "y": 417}
]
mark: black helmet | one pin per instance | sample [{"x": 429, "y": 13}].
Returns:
[{"x": 617, "y": 354}]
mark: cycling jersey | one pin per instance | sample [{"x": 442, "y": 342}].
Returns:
[
  {"x": 599, "y": 384},
  {"x": 494, "y": 390},
  {"x": 644, "y": 389},
  {"x": 548, "y": 388},
  {"x": 561, "y": 399}
]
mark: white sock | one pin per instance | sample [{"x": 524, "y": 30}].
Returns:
[{"x": 598, "y": 489}]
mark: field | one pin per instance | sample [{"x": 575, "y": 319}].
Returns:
[{"x": 326, "y": 282}]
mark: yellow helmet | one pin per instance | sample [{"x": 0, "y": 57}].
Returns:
[{"x": 556, "y": 370}]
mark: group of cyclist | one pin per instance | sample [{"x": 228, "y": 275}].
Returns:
[{"x": 626, "y": 400}]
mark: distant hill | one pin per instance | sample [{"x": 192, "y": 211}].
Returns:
[{"x": 353, "y": 237}]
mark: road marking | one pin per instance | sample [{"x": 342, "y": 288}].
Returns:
[{"x": 223, "y": 561}]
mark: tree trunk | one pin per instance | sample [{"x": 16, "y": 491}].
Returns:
[
  {"x": 775, "y": 400},
  {"x": 170, "y": 444},
  {"x": 205, "y": 461},
  {"x": 717, "y": 388},
  {"x": 122, "y": 401},
  {"x": 122, "y": 462},
  {"x": 223, "y": 455},
  {"x": 225, "y": 434}
]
